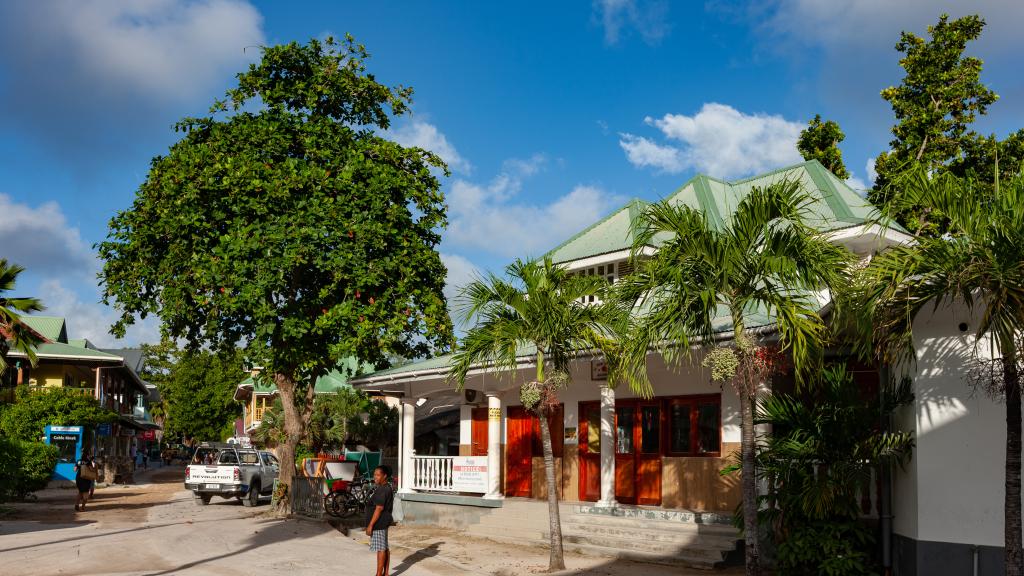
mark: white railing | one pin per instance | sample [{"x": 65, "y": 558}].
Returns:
[{"x": 433, "y": 473}]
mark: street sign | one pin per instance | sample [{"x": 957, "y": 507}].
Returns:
[{"x": 103, "y": 430}]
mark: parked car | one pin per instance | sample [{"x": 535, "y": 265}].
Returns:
[{"x": 230, "y": 471}]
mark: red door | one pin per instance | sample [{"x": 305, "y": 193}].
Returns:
[
  {"x": 589, "y": 439},
  {"x": 519, "y": 453},
  {"x": 479, "y": 432},
  {"x": 648, "y": 453},
  {"x": 625, "y": 452}
]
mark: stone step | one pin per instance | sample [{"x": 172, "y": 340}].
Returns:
[
  {"x": 682, "y": 559},
  {"x": 691, "y": 539},
  {"x": 593, "y": 522},
  {"x": 668, "y": 550}
]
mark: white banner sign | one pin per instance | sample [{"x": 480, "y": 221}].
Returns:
[{"x": 469, "y": 474}]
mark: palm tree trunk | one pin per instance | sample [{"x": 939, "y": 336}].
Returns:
[
  {"x": 1012, "y": 511},
  {"x": 557, "y": 558},
  {"x": 749, "y": 481}
]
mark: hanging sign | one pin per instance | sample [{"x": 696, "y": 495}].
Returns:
[{"x": 469, "y": 474}]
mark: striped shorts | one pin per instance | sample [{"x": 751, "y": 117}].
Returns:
[{"x": 379, "y": 540}]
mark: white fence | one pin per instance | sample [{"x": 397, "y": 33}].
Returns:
[{"x": 433, "y": 473}]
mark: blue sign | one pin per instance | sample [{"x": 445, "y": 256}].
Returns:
[
  {"x": 103, "y": 430},
  {"x": 68, "y": 440}
]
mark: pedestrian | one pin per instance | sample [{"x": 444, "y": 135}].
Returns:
[
  {"x": 85, "y": 478},
  {"x": 378, "y": 518},
  {"x": 145, "y": 460}
]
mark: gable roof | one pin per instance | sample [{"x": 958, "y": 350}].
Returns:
[
  {"x": 610, "y": 234},
  {"x": 53, "y": 328},
  {"x": 64, "y": 351},
  {"x": 328, "y": 383}
]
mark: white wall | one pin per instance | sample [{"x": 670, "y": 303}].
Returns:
[{"x": 952, "y": 490}]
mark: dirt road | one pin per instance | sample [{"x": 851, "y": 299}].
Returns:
[{"x": 153, "y": 528}]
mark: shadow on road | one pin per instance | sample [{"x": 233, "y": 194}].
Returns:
[{"x": 421, "y": 554}]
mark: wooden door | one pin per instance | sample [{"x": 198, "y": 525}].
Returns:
[
  {"x": 589, "y": 451},
  {"x": 625, "y": 451},
  {"x": 519, "y": 453},
  {"x": 479, "y": 432},
  {"x": 648, "y": 453}
]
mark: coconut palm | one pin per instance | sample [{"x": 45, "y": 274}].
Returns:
[
  {"x": 706, "y": 279},
  {"x": 979, "y": 263},
  {"x": 13, "y": 332},
  {"x": 539, "y": 309}
]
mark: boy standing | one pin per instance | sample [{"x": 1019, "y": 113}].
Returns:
[{"x": 378, "y": 518}]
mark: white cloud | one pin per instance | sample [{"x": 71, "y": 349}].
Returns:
[
  {"x": 41, "y": 240},
  {"x": 490, "y": 219},
  {"x": 869, "y": 168},
  {"x": 427, "y": 136},
  {"x": 718, "y": 140},
  {"x": 648, "y": 17},
  {"x": 857, "y": 184},
  {"x": 98, "y": 78},
  {"x": 93, "y": 320},
  {"x": 460, "y": 272},
  {"x": 643, "y": 152}
]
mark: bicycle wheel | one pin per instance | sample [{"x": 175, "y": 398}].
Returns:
[{"x": 334, "y": 503}]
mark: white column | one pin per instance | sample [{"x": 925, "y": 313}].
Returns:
[
  {"x": 407, "y": 435},
  {"x": 607, "y": 447},
  {"x": 493, "y": 447}
]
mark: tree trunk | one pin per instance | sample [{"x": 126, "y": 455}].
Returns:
[
  {"x": 557, "y": 558},
  {"x": 293, "y": 435},
  {"x": 749, "y": 482},
  {"x": 1012, "y": 512}
]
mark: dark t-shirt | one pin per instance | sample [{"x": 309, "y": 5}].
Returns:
[{"x": 382, "y": 496}]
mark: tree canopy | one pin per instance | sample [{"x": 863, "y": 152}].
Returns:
[
  {"x": 939, "y": 97},
  {"x": 286, "y": 224},
  {"x": 196, "y": 389},
  {"x": 33, "y": 410},
  {"x": 820, "y": 141}
]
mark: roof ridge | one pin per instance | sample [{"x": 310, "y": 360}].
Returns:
[
  {"x": 803, "y": 164},
  {"x": 627, "y": 206}
]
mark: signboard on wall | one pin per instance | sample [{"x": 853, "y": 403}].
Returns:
[
  {"x": 469, "y": 474},
  {"x": 598, "y": 369}
]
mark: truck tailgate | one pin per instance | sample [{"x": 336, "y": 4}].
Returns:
[{"x": 198, "y": 473}]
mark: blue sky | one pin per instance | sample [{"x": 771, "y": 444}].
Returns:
[{"x": 550, "y": 114}]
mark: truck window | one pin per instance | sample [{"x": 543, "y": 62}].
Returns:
[
  {"x": 228, "y": 457},
  {"x": 205, "y": 456},
  {"x": 249, "y": 457}
]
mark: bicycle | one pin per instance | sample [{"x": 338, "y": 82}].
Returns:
[{"x": 349, "y": 497}]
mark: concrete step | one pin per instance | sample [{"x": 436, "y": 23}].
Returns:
[
  {"x": 586, "y": 522},
  {"x": 639, "y": 545},
  {"x": 667, "y": 539}
]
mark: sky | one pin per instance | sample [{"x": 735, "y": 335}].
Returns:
[{"x": 549, "y": 114}]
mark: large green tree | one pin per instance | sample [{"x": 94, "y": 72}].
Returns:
[
  {"x": 977, "y": 263},
  {"x": 764, "y": 260},
  {"x": 13, "y": 332},
  {"x": 939, "y": 97},
  {"x": 33, "y": 410},
  {"x": 820, "y": 141},
  {"x": 197, "y": 390},
  {"x": 539, "y": 307},
  {"x": 285, "y": 224}
]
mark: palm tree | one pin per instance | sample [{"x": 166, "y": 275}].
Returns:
[
  {"x": 705, "y": 278},
  {"x": 13, "y": 332},
  {"x": 540, "y": 309},
  {"x": 978, "y": 262}
]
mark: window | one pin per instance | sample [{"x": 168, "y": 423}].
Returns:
[
  {"x": 624, "y": 421},
  {"x": 694, "y": 426}
]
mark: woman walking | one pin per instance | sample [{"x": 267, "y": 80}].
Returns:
[{"x": 85, "y": 477}]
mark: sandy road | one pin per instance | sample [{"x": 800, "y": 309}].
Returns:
[{"x": 153, "y": 528}]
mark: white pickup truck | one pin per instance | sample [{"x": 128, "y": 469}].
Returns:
[{"x": 229, "y": 471}]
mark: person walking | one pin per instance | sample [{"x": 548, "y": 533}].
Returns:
[
  {"x": 85, "y": 478},
  {"x": 378, "y": 518}
]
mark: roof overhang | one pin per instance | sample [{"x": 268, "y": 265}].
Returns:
[{"x": 589, "y": 261}]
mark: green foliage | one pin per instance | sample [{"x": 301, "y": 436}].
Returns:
[
  {"x": 939, "y": 97},
  {"x": 723, "y": 363},
  {"x": 302, "y": 452},
  {"x": 380, "y": 429},
  {"x": 197, "y": 390},
  {"x": 13, "y": 332},
  {"x": 33, "y": 410},
  {"x": 334, "y": 422},
  {"x": 820, "y": 141},
  {"x": 27, "y": 467},
  {"x": 819, "y": 460},
  {"x": 291, "y": 227}
]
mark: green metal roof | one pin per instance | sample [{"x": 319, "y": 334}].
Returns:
[
  {"x": 834, "y": 206},
  {"x": 331, "y": 382},
  {"x": 611, "y": 234},
  {"x": 53, "y": 328},
  {"x": 62, "y": 351}
]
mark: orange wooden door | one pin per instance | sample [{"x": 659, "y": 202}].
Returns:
[
  {"x": 648, "y": 453},
  {"x": 625, "y": 452},
  {"x": 479, "y": 432},
  {"x": 589, "y": 450},
  {"x": 519, "y": 453}
]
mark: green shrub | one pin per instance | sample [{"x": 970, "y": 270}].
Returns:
[{"x": 28, "y": 467}]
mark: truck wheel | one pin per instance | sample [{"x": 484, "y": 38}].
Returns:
[
  {"x": 253, "y": 497},
  {"x": 201, "y": 499}
]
